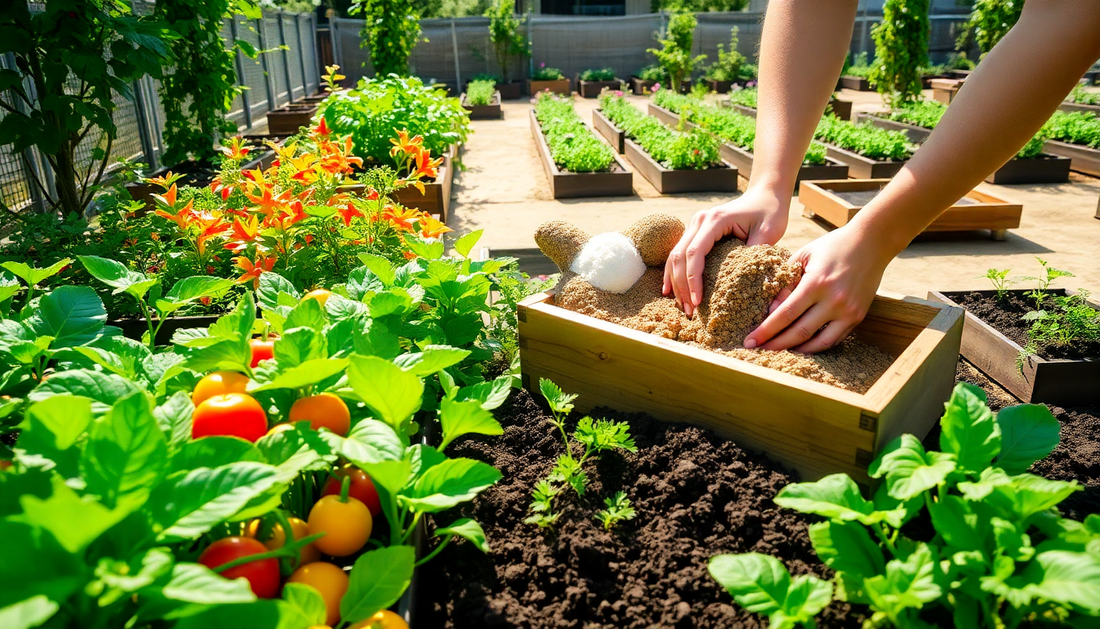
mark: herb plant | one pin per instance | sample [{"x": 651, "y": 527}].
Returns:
[
  {"x": 1079, "y": 127},
  {"x": 865, "y": 139},
  {"x": 544, "y": 73},
  {"x": 927, "y": 114},
  {"x": 618, "y": 510},
  {"x": 652, "y": 73},
  {"x": 509, "y": 44},
  {"x": 595, "y": 436},
  {"x": 390, "y": 31},
  {"x": 678, "y": 150},
  {"x": 573, "y": 146},
  {"x": 1082, "y": 96},
  {"x": 1039, "y": 293},
  {"x": 675, "y": 52},
  {"x": 858, "y": 66},
  {"x": 746, "y": 97},
  {"x": 998, "y": 555},
  {"x": 728, "y": 65},
  {"x": 601, "y": 74},
  {"x": 480, "y": 93},
  {"x": 1069, "y": 320},
  {"x": 1000, "y": 280},
  {"x": 901, "y": 48}
]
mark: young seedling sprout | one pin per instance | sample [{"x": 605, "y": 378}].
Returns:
[
  {"x": 1001, "y": 281},
  {"x": 618, "y": 509},
  {"x": 1039, "y": 294}
]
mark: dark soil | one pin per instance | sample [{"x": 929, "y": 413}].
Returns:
[
  {"x": 1006, "y": 316},
  {"x": 696, "y": 495}
]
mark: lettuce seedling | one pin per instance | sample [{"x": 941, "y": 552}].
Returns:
[
  {"x": 1000, "y": 556},
  {"x": 618, "y": 509}
]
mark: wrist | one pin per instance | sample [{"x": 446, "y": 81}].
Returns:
[{"x": 878, "y": 243}]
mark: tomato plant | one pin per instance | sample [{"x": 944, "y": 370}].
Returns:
[
  {"x": 262, "y": 574},
  {"x": 346, "y": 525},
  {"x": 277, "y": 538},
  {"x": 361, "y": 488},
  {"x": 231, "y": 414},
  {"x": 218, "y": 383},
  {"x": 329, "y": 580},
  {"x": 324, "y": 410}
]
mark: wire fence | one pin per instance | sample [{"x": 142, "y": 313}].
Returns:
[{"x": 287, "y": 70}]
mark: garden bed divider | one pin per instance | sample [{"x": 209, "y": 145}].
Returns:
[
  {"x": 813, "y": 427},
  {"x": 592, "y": 89},
  {"x": 842, "y": 108},
  {"x": 287, "y": 119},
  {"x": 857, "y": 83},
  {"x": 608, "y": 130},
  {"x": 667, "y": 181},
  {"x": 575, "y": 185},
  {"x": 1080, "y": 107},
  {"x": 1038, "y": 380},
  {"x": 916, "y": 134},
  {"x": 860, "y": 167},
  {"x": 1084, "y": 159}
]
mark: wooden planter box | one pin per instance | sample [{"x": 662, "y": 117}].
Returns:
[
  {"x": 842, "y": 108},
  {"x": 592, "y": 89},
  {"x": 1072, "y": 107},
  {"x": 508, "y": 91},
  {"x": 1085, "y": 160},
  {"x": 742, "y": 159},
  {"x": 815, "y": 428},
  {"x": 567, "y": 185},
  {"x": 722, "y": 87},
  {"x": 977, "y": 210},
  {"x": 558, "y": 86},
  {"x": 857, "y": 83},
  {"x": 608, "y": 130},
  {"x": 641, "y": 87},
  {"x": 492, "y": 111},
  {"x": 1043, "y": 169},
  {"x": 1061, "y": 382},
  {"x": 862, "y": 167},
  {"x": 666, "y": 181},
  {"x": 944, "y": 90},
  {"x": 916, "y": 134},
  {"x": 287, "y": 120},
  {"x": 140, "y": 191}
]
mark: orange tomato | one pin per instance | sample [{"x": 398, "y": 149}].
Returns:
[
  {"x": 346, "y": 525},
  {"x": 320, "y": 295},
  {"x": 218, "y": 383},
  {"x": 261, "y": 350},
  {"x": 307, "y": 554},
  {"x": 361, "y": 488},
  {"x": 325, "y": 410},
  {"x": 384, "y": 619},
  {"x": 232, "y": 414},
  {"x": 329, "y": 580}
]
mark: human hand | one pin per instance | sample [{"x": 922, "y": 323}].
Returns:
[
  {"x": 840, "y": 273},
  {"x": 755, "y": 217}
]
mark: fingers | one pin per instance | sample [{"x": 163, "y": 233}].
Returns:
[
  {"x": 833, "y": 334},
  {"x": 782, "y": 297},
  {"x": 783, "y": 317},
  {"x": 685, "y": 264},
  {"x": 801, "y": 330}
]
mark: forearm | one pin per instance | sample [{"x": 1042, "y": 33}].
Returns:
[
  {"x": 1005, "y": 101},
  {"x": 802, "y": 50}
]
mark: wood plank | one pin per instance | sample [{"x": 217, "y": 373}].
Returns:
[
  {"x": 1085, "y": 160},
  {"x": 608, "y": 130},
  {"x": 668, "y": 181}
]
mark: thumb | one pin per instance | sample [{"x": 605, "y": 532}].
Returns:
[{"x": 766, "y": 234}]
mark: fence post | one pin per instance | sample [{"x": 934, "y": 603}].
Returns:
[
  {"x": 286, "y": 58},
  {"x": 268, "y": 78},
  {"x": 301, "y": 54},
  {"x": 245, "y": 101},
  {"x": 454, "y": 46}
]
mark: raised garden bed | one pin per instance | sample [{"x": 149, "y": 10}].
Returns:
[
  {"x": 436, "y": 199},
  {"x": 916, "y": 134},
  {"x": 815, "y": 428},
  {"x": 492, "y": 111},
  {"x": 861, "y": 167},
  {"x": 720, "y": 87},
  {"x": 993, "y": 338},
  {"x": 837, "y": 202},
  {"x": 557, "y": 86},
  {"x": 592, "y": 89},
  {"x": 617, "y": 182},
  {"x": 512, "y": 90},
  {"x": 289, "y": 119},
  {"x": 667, "y": 181},
  {"x": 201, "y": 173},
  {"x": 945, "y": 90},
  {"x": 608, "y": 130},
  {"x": 842, "y": 108},
  {"x": 1083, "y": 159},
  {"x": 641, "y": 87},
  {"x": 857, "y": 83},
  {"x": 1071, "y": 107}
]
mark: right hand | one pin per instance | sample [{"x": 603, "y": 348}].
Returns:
[{"x": 758, "y": 218}]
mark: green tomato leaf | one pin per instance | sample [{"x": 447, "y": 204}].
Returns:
[
  {"x": 174, "y": 418},
  {"x": 73, "y": 315},
  {"x": 434, "y": 358},
  {"x": 465, "y": 244},
  {"x": 378, "y": 579},
  {"x": 1027, "y": 495},
  {"x": 759, "y": 583},
  {"x": 271, "y": 286},
  {"x": 969, "y": 430},
  {"x": 1029, "y": 432},
  {"x": 33, "y": 276},
  {"x": 847, "y": 547},
  {"x": 307, "y": 601},
  {"x": 391, "y": 392},
  {"x": 214, "y": 451},
  {"x": 308, "y": 373},
  {"x": 195, "y": 583},
  {"x": 958, "y": 524},
  {"x": 127, "y": 454},
  {"x": 836, "y": 496},
  {"x": 450, "y": 483},
  {"x": 392, "y": 476},
  {"x": 908, "y": 584},
  {"x": 106, "y": 389},
  {"x": 307, "y": 314},
  {"x": 372, "y": 441},
  {"x": 380, "y": 266},
  {"x": 73, "y": 521},
  {"x": 1069, "y": 578},
  {"x": 225, "y": 355},
  {"x": 489, "y": 394},
  {"x": 35, "y": 564},
  {"x": 262, "y": 614},
  {"x": 909, "y": 470},
  {"x": 52, "y": 428},
  {"x": 118, "y": 276},
  {"x": 467, "y": 529},
  {"x": 464, "y": 418},
  {"x": 190, "y": 504},
  {"x": 300, "y": 346}
]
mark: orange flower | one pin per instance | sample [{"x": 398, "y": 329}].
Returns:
[
  {"x": 164, "y": 181},
  {"x": 243, "y": 234},
  {"x": 349, "y": 213},
  {"x": 402, "y": 218},
  {"x": 168, "y": 198},
  {"x": 432, "y": 228},
  {"x": 402, "y": 143},
  {"x": 322, "y": 129},
  {"x": 234, "y": 148},
  {"x": 210, "y": 225},
  {"x": 410, "y": 255},
  {"x": 254, "y": 269},
  {"x": 426, "y": 166},
  {"x": 266, "y": 202},
  {"x": 182, "y": 218}
]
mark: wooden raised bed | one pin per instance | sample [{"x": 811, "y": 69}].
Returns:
[
  {"x": 837, "y": 202},
  {"x": 742, "y": 159},
  {"x": 435, "y": 200},
  {"x": 842, "y": 108},
  {"x": 287, "y": 120},
  {"x": 592, "y": 89},
  {"x": 916, "y": 134},
  {"x": 812, "y": 427},
  {"x": 720, "y": 87},
  {"x": 564, "y": 185},
  {"x": 1078, "y": 107},
  {"x": 557, "y": 86},
  {"x": 1037, "y": 380},
  {"x": 857, "y": 83},
  {"x": 508, "y": 91},
  {"x": 1084, "y": 159},
  {"x": 641, "y": 87},
  {"x": 945, "y": 90},
  {"x": 861, "y": 167},
  {"x": 608, "y": 130},
  {"x": 666, "y": 181},
  {"x": 492, "y": 111}
]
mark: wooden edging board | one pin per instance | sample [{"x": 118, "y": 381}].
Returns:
[
  {"x": 860, "y": 167},
  {"x": 666, "y": 181},
  {"x": 1033, "y": 380},
  {"x": 842, "y": 108},
  {"x": 858, "y": 83},
  {"x": 556, "y": 86},
  {"x": 815, "y": 428},
  {"x": 573, "y": 185},
  {"x": 984, "y": 212},
  {"x": 608, "y": 130},
  {"x": 288, "y": 119},
  {"x": 492, "y": 111},
  {"x": 916, "y": 134},
  {"x": 743, "y": 159},
  {"x": 1079, "y": 107},
  {"x": 592, "y": 89},
  {"x": 1085, "y": 160}
]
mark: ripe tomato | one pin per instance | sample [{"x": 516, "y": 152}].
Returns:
[
  {"x": 262, "y": 575},
  {"x": 261, "y": 350},
  {"x": 330, "y": 581},
  {"x": 218, "y": 383},
  {"x": 307, "y": 554},
  {"x": 325, "y": 410},
  {"x": 321, "y": 295},
  {"x": 361, "y": 488},
  {"x": 346, "y": 525},
  {"x": 384, "y": 619},
  {"x": 232, "y": 414}
]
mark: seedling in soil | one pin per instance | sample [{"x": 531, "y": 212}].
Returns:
[
  {"x": 595, "y": 435},
  {"x": 618, "y": 509},
  {"x": 1072, "y": 320},
  {"x": 1000, "y": 280},
  {"x": 1039, "y": 294}
]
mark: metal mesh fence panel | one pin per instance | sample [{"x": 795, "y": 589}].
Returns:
[
  {"x": 253, "y": 78},
  {"x": 353, "y": 60},
  {"x": 289, "y": 25},
  {"x": 309, "y": 53},
  {"x": 575, "y": 44},
  {"x": 276, "y": 62},
  {"x": 714, "y": 29}
]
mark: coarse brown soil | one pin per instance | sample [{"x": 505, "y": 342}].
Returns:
[{"x": 1006, "y": 316}]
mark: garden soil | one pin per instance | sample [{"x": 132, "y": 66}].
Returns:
[{"x": 1006, "y": 316}]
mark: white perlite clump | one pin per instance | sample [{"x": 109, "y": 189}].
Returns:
[{"x": 609, "y": 262}]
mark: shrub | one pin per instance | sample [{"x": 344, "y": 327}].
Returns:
[
  {"x": 989, "y": 22},
  {"x": 480, "y": 93},
  {"x": 1077, "y": 127},
  {"x": 652, "y": 73},
  {"x": 675, "y": 52},
  {"x": 372, "y": 111},
  {"x": 504, "y": 33},
  {"x": 602, "y": 74},
  {"x": 728, "y": 65},
  {"x": 390, "y": 32},
  {"x": 678, "y": 150},
  {"x": 1083, "y": 97},
  {"x": 901, "y": 48},
  {"x": 865, "y": 139},
  {"x": 547, "y": 74},
  {"x": 858, "y": 67},
  {"x": 745, "y": 97},
  {"x": 927, "y": 114},
  {"x": 749, "y": 71},
  {"x": 573, "y": 146}
]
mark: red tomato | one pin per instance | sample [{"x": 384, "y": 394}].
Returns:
[
  {"x": 261, "y": 350},
  {"x": 262, "y": 575},
  {"x": 232, "y": 414},
  {"x": 218, "y": 383},
  {"x": 361, "y": 488}
]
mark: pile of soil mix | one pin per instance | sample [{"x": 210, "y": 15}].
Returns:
[
  {"x": 1007, "y": 317},
  {"x": 696, "y": 495}
]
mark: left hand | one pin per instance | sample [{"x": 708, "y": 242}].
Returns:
[{"x": 841, "y": 272}]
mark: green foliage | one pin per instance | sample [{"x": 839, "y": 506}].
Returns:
[
  {"x": 729, "y": 63},
  {"x": 1069, "y": 321},
  {"x": 746, "y": 97},
  {"x": 452, "y": 8},
  {"x": 989, "y": 22},
  {"x": 678, "y": 150},
  {"x": 865, "y": 139},
  {"x": 1000, "y": 280},
  {"x": 901, "y": 48},
  {"x": 999, "y": 552},
  {"x": 390, "y": 32},
  {"x": 1081, "y": 96},
  {"x": 373, "y": 111},
  {"x": 479, "y": 93},
  {"x": 699, "y": 6},
  {"x": 543, "y": 73},
  {"x": 198, "y": 88},
  {"x": 618, "y": 509},
  {"x": 652, "y": 73},
  {"x": 927, "y": 114},
  {"x": 675, "y": 52},
  {"x": 71, "y": 59},
  {"x": 859, "y": 66},
  {"x": 509, "y": 44},
  {"x": 601, "y": 74},
  {"x": 1077, "y": 127},
  {"x": 573, "y": 146}
]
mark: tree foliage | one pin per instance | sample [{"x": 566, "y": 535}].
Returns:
[
  {"x": 989, "y": 22},
  {"x": 901, "y": 49},
  {"x": 509, "y": 42},
  {"x": 675, "y": 52},
  {"x": 390, "y": 32}
]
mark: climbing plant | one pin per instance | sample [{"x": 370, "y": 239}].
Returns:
[
  {"x": 989, "y": 22},
  {"x": 901, "y": 49},
  {"x": 390, "y": 32},
  {"x": 509, "y": 42}
]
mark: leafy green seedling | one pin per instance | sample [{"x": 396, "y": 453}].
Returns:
[
  {"x": 1000, "y": 280},
  {"x": 618, "y": 509}
]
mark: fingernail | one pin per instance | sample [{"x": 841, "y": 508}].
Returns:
[
  {"x": 694, "y": 299},
  {"x": 750, "y": 343},
  {"x": 772, "y": 307}
]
